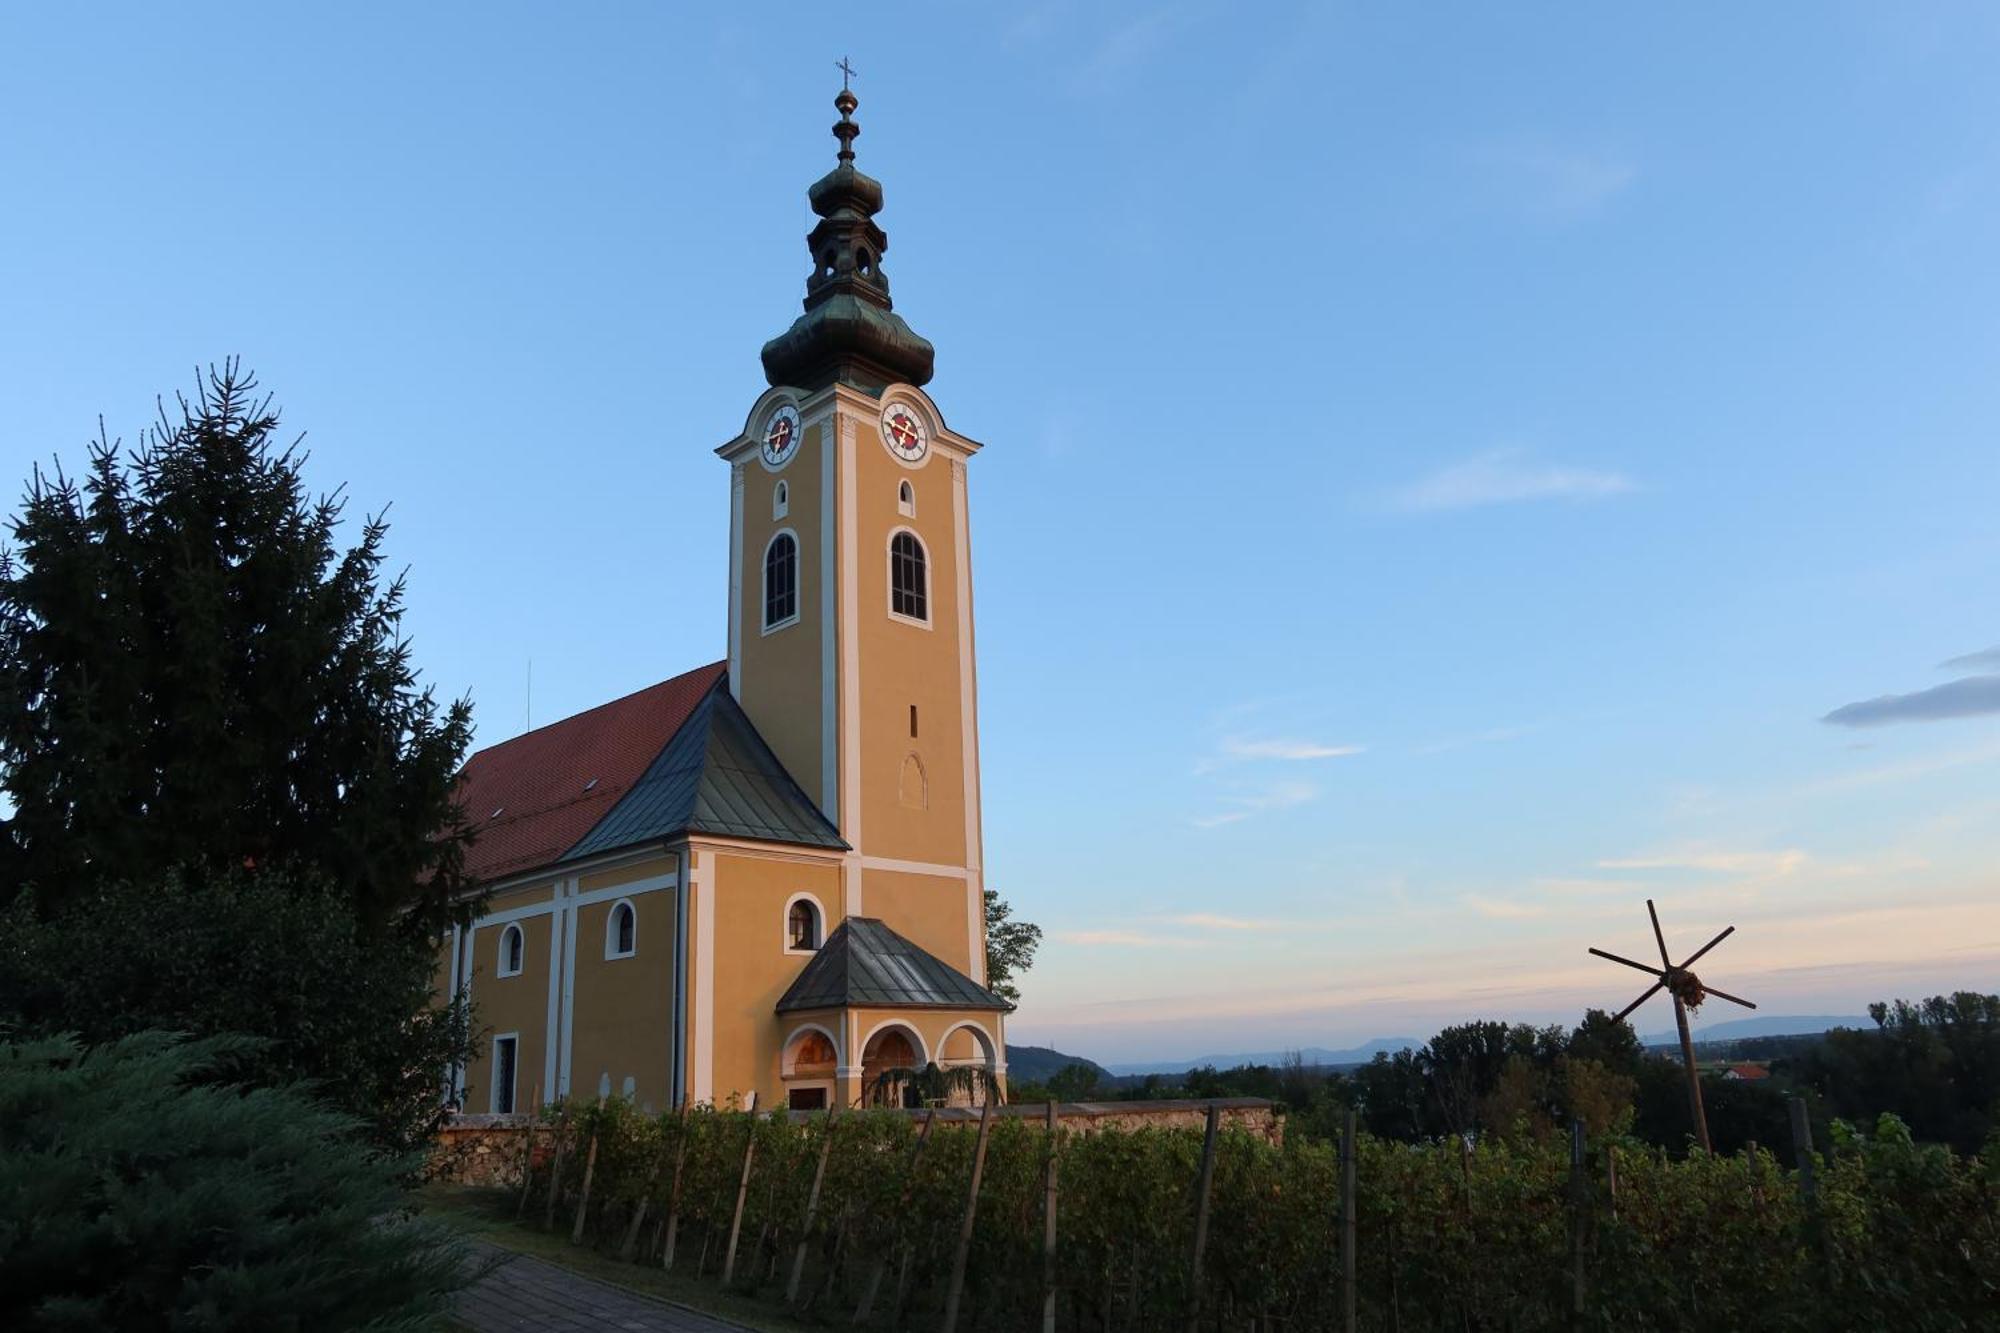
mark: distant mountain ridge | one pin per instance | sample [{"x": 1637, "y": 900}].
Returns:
[
  {"x": 1773, "y": 1025},
  {"x": 1038, "y": 1064},
  {"x": 1311, "y": 1055}
]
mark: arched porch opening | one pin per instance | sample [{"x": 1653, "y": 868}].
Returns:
[
  {"x": 892, "y": 1061},
  {"x": 809, "y": 1066}
]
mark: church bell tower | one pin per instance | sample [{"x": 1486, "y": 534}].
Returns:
[{"x": 850, "y": 583}]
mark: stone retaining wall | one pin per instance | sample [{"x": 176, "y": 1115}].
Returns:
[{"x": 486, "y": 1150}]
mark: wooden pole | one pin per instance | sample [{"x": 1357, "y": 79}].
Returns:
[
  {"x": 957, "y": 1288},
  {"x": 528, "y": 1152},
  {"x": 867, "y": 1306},
  {"x": 812, "y": 1207},
  {"x": 674, "y": 1198},
  {"x": 1204, "y": 1182},
  {"x": 1694, "y": 1076},
  {"x": 1611, "y": 1179},
  {"x": 555, "y": 1168},
  {"x": 1578, "y": 1220},
  {"x": 630, "y": 1244},
  {"x": 1802, "y": 1150},
  {"x": 742, "y": 1193},
  {"x": 1347, "y": 1237},
  {"x": 589, "y": 1170},
  {"x": 1049, "y": 1230}
]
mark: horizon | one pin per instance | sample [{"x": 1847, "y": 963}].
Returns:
[{"x": 1529, "y": 470}]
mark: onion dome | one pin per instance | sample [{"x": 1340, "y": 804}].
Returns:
[{"x": 849, "y": 333}]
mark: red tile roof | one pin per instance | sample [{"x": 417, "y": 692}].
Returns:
[{"x": 530, "y": 798}]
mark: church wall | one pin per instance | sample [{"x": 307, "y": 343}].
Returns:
[
  {"x": 753, "y": 967},
  {"x": 623, "y": 1023},
  {"x": 516, "y": 1004},
  {"x": 928, "y": 910},
  {"x": 782, "y": 686}
]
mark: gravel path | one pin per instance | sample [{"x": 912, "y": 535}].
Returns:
[{"x": 524, "y": 1293}]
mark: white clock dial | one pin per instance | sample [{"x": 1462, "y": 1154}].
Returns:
[
  {"x": 781, "y": 436},
  {"x": 903, "y": 430}
]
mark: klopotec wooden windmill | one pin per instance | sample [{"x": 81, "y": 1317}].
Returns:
[{"x": 1688, "y": 992}]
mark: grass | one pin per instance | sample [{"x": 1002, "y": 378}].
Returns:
[{"x": 488, "y": 1215}]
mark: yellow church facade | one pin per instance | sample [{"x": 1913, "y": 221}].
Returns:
[{"x": 761, "y": 880}]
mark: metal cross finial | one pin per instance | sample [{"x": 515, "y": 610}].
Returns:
[{"x": 846, "y": 72}]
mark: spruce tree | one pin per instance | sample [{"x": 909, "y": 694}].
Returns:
[{"x": 195, "y": 678}]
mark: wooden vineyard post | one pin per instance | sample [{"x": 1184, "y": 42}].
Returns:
[
  {"x": 812, "y": 1208},
  {"x": 1611, "y": 1181},
  {"x": 528, "y": 1152},
  {"x": 959, "y": 1259},
  {"x": 1802, "y": 1149},
  {"x": 1049, "y": 1229},
  {"x": 1204, "y": 1183},
  {"x": 674, "y": 1196},
  {"x": 742, "y": 1193},
  {"x": 1579, "y": 1220},
  {"x": 589, "y": 1170},
  {"x": 555, "y": 1168},
  {"x": 867, "y": 1305},
  {"x": 1347, "y": 1265},
  {"x": 1756, "y": 1162},
  {"x": 630, "y": 1244}
]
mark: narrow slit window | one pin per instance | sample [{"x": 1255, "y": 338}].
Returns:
[
  {"x": 906, "y": 499},
  {"x": 622, "y": 938},
  {"x": 513, "y": 948},
  {"x": 505, "y": 1058},
  {"x": 909, "y": 580},
  {"x": 913, "y": 721},
  {"x": 781, "y": 581},
  {"x": 781, "y": 500}
]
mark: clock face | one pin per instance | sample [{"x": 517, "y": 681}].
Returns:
[
  {"x": 781, "y": 436},
  {"x": 903, "y": 431}
]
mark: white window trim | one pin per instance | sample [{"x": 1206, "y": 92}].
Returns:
[
  {"x": 500, "y": 968},
  {"x": 889, "y": 571},
  {"x": 611, "y": 931},
  {"x": 781, "y": 499},
  {"x": 785, "y": 930},
  {"x": 493, "y": 1083},
  {"x": 798, "y": 581}
]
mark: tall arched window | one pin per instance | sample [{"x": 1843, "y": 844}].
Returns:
[
  {"x": 909, "y": 577},
  {"x": 621, "y": 932},
  {"x": 513, "y": 949},
  {"x": 781, "y": 581}
]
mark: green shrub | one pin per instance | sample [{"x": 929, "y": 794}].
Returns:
[{"x": 137, "y": 1192}]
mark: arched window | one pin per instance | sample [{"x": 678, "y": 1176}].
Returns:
[
  {"x": 802, "y": 933},
  {"x": 513, "y": 951},
  {"x": 906, "y": 499},
  {"x": 621, "y": 932},
  {"x": 909, "y": 577},
  {"x": 781, "y": 581},
  {"x": 781, "y": 500}
]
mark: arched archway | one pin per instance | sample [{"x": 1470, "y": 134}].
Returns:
[
  {"x": 810, "y": 1065},
  {"x": 892, "y": 1046},
  {"x": 969, "y": 1046}
]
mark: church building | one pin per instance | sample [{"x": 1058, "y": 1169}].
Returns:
[{"x": 761, "y": 878}]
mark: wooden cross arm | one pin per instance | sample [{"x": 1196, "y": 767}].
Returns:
[
  {"x": 1650, "y": 990},
  {"x": 1706, "y": 947},
  {"x": 1650, "y": 971},
  {"x": 1725, "y": 995}
]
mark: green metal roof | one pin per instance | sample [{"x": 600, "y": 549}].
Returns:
[
  {"x": 864, "y": 963},
  {"x": 715, "y": 776}
]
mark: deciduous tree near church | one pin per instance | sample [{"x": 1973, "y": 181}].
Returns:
[{"x": 1010, "y": 947}]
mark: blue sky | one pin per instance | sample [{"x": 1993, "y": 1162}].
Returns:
[{"x": 1444, "y": 465}]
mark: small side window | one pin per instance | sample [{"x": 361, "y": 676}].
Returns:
[
  {"x": 621, "y": 932},
  {"x": 906, "y": 500},
  {"x": 802, "y": 926},
  {"x": 513, "y": 951},
  {"x": 781, "y": 500},
  {"x": 506, "y": 1051}
]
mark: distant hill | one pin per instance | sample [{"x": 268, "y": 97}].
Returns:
[
  {"x": 1037, "y": 1064},
  {"x": 1312, "y": 1055},
  {"x": 1775, "y": 1025}
]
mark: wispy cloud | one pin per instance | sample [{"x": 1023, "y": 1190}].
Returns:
[
  {"x": 1502, "y": 909},
  {"x": 1781, "y": 863},
  {"x": 1552, "y": 182},
  {"x": 1506, "y": 476},
  {"x": 1490, "y": 736},
  {"x": 1985, "y": 659},
  {"x": 1241, "y": 805},
  {"x": 1121, "y": 939},
  {"x": 1238, "y": 747},
  {"x": 1210, "y": 921},
  {"x": 1972, "y": 696}
]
